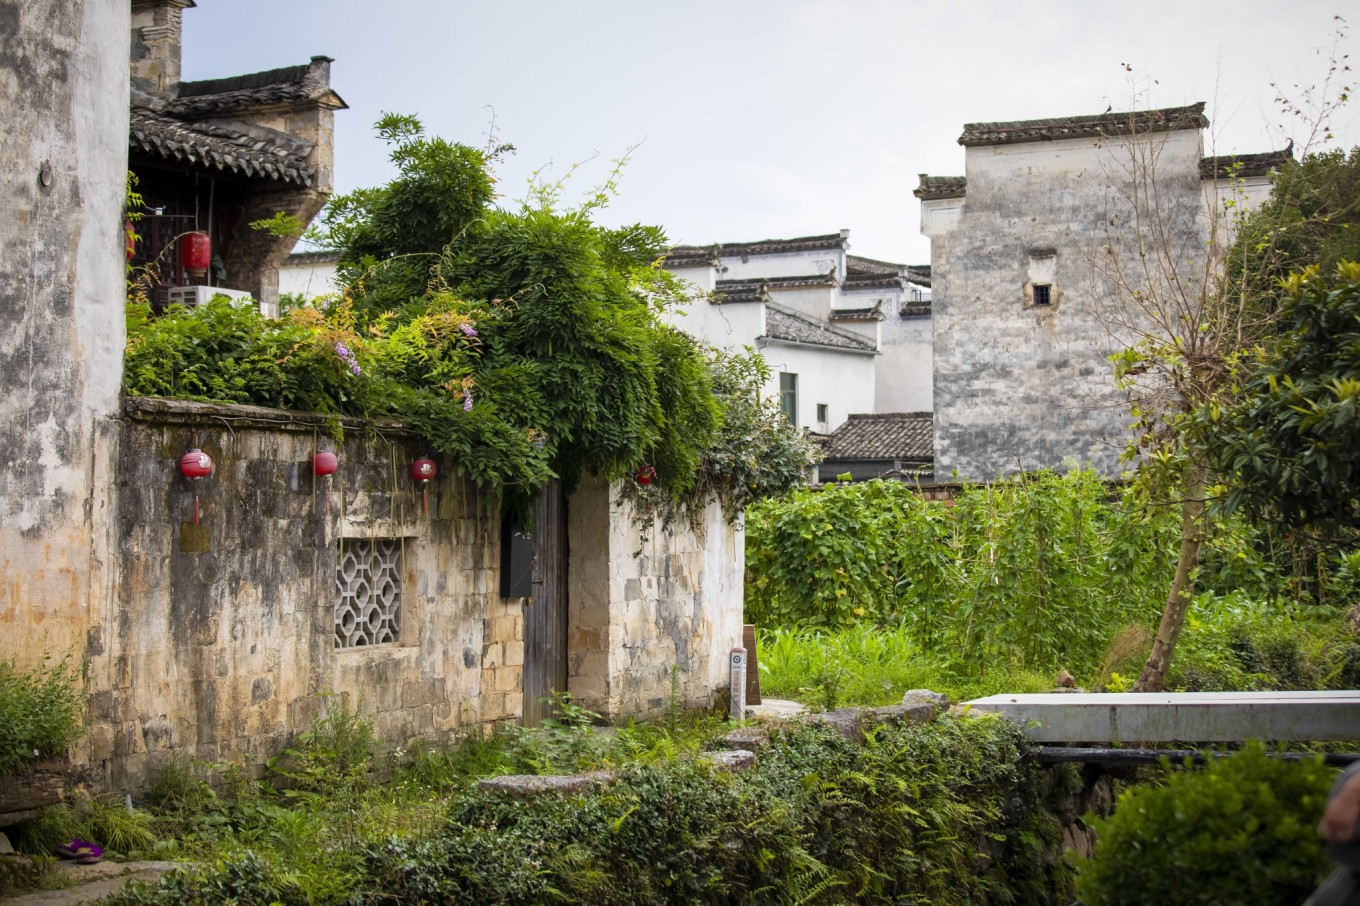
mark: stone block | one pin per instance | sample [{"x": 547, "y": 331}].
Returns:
[
  {"x": 418, "y": 693},
  {"x": 493, "y": 655},
  {"x": 733, "y": 760},
  {"x": 751, "y": 739},
  {"x": 528, "y": 786},
  {"x": 507, "y": 679},
  {"x": 845, "y": 721},
  {"x": 916, "y": 713},
  {"x": 514, "y": 654},
  {"x": 938, "y": 699}
]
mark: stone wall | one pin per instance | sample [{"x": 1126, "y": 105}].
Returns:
[
  {"x": 219, "y": 640},
  {"x": 649, "y": 617},
  {"x": 63, "y": 160},
  {"x": 222, "y": 637},
  {"x": 1019, "y": 385}
]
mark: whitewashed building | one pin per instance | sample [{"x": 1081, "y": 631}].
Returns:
[
  {"x": 1023, "y": 248},
  {"x": 831, "y": 325},
  {"x": 309, "y": 274}
]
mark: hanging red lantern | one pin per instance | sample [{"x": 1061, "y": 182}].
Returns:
[
  {"x": 129, "y": 240},
  {"x": 424, "y": 470},
  {"x": 195, "y": 466},
  {"x": 325, "y": 463},
  {"x": 195, "y": 253},
  {"x": 644, "y": 475}
]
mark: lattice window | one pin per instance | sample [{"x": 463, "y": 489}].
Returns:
[{"x": 368, "y": 587}]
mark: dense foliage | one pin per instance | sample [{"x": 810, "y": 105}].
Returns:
[
  {"x": 946, "y": 813},
  {"x": 1035, "y": 570},
  {"x": 1289, "y": 447},
  {"x": 39, "y": 714},
  {"x": 522, "y": 345},
  {"x": 1240, "y": 831}
]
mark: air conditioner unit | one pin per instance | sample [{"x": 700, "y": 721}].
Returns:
[{"x": 191, "y": 296}]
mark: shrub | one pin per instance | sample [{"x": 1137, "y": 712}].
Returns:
[
  {"x": 1239, "y": 831},
  {"x": 39, "y": 714}
]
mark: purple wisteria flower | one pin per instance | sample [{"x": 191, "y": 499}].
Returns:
[
  {"x": 468, "y": 329},
  {"x": 347, "y": 357},
  {"x": 467, "y": 400}
]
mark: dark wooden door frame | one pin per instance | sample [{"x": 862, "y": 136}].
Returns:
[{"x": 545, "y": 611}]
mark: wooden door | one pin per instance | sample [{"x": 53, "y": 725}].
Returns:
[{"x": 545, "y": 611}]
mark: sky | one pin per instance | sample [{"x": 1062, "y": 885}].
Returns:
[{"x": 755, "y": 119}]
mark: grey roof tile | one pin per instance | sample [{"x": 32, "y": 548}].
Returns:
[
  {"x": 286, "y": 86},
  {"x": 1167, "y": 119},
  {"x": 932, "y": 188},
  {"x": 696, "y": 253},
  {"x": 245, "y": 150},
  {"x": 893, "y": 436},
  {"x": 789, "y": 326},
  {"x": 1233, "y": 166}
]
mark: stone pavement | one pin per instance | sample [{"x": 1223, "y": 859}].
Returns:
[{"x": 93, "y": 881}]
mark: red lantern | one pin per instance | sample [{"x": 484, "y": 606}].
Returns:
[
  {"x": 424, "y": 470},
  {"x": 129, "y": 240},
  {"x": 325, "y": 463},
  {"x": 195, "y": 465},
  {"x": 644, "y": 475},
  {"x": 195, "y": 253}
]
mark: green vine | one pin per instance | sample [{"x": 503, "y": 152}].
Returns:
[{"x": 522, "y": 345}]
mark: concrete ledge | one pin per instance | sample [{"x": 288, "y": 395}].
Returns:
[{"x": 1181, "y": 716}]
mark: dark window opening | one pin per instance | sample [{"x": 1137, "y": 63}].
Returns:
[
  {"x": 788, "y": 396},
  {"x": 1043, "y": 294},
  {"x": 822, "y": 411}
]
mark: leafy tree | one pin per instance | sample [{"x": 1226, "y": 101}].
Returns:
[{"x": 1290, "y": 446}]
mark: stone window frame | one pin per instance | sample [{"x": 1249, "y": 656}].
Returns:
[
  {"x": 1041, "y": 285},
  {"x": 387, "y": 617}
]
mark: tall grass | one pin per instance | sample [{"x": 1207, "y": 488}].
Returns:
[{"x": 864, "y": 665}]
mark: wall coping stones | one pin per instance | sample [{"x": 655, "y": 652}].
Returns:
[
  {"x": 193, "y": 412},
  {"x": 751, "y": 739}
]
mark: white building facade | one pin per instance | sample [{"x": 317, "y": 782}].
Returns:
[{"x": 826, "y": 322}]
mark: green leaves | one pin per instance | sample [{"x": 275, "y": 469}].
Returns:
[{"x": 1290, "y": 445}]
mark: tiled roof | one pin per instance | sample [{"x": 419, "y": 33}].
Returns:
[
  {"x": 796, "y": 282},
  {"x": 873, "y": 313},
  {"x": 1137, "y": 121},
  {"x": 913, "y": 309},
  {"x": 688, "y": 253},
  {"x": 727, "y": 292},
  {"x": 257, "y": 152},
  {"x": 919, "y": 274},
  {"x": 868, "y": 273},
  {"x": 885, "y": 436},
  {"x": 287, "y": 86},
  {"x": 794, "y": 327},
  {"x": 321, "y": 256},
  {"x": 1234, "y": 166},
  {"x": 936, "y": 187}
]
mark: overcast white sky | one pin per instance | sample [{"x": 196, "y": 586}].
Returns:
[{"x": 769, "y": 118}]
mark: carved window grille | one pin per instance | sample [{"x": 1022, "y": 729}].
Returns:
[
  {"x": 368, "y": 593},
  {"x": 1043, "y": 294}
]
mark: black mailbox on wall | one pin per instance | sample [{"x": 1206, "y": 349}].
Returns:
[{"x": 517, "y": 559}]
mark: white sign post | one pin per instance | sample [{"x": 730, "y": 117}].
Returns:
[{"x": 738, "y": 709}]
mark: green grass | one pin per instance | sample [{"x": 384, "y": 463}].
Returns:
[{"x": 864, "y": 665}]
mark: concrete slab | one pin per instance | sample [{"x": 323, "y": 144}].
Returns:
[{"x": 1205, "y": 717}]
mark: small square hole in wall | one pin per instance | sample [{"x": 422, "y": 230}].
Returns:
[
  {"x": 368, "y": 592},
  {"x": 1043, "y": 294}
]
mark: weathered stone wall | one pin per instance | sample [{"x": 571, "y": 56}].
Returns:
[
  {"x": 1019, "y": 386},
  {"x": 222, "y": 636},
  {"x": 649, "y": 615},
  {"x": 63, "y": 159}
]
